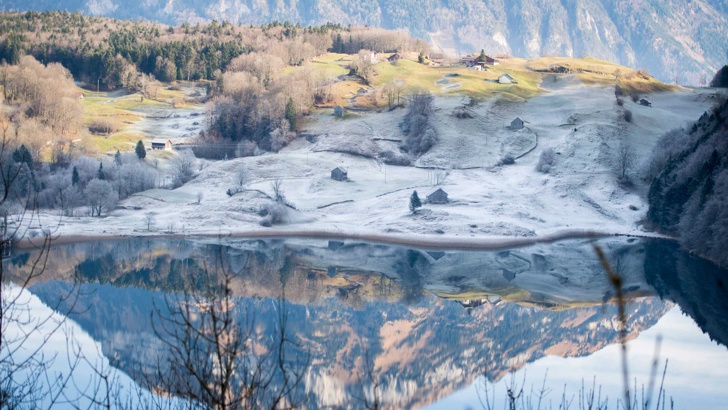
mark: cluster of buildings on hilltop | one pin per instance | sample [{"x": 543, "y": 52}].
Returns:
[{"x": 476, "y": 62}]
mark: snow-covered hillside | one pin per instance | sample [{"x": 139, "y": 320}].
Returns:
[{"x": 487, "y": 202}]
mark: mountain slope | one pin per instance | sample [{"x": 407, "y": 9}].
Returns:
[
  {"x": 673, "y": 39},
  {"x": 688, "y": 196}
]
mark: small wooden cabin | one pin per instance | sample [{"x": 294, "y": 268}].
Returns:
[
  {"x": 162, "y": 145},
  {"x": 517, "y": 123},
  {"x": 339, "y": 174},
  {"x": 437, "y": 197}
]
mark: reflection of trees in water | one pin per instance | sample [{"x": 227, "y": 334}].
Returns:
[
  {"x": 411, "y": 269},
  {"x": 217, "y": 357},
  {"x": 699, "y": 287},
  {"x": 341, "y": 312}
]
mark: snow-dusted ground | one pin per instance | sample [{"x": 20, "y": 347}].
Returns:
[{"x": 488, "y": 203}]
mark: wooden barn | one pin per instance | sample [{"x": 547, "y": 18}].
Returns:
[
  {"x": 161, "y": 144},
  {"x": 339, "y": 174},
  {"x": 437, "y": 197}
]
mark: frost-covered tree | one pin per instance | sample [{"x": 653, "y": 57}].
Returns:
[
  {"x": 87, "y": 169},
  {"x": 417, "y": 124},
  {"x": 133, "y": 177},
  {"x": 626, "y": 160},
  {"x": 241, "y": 176},
  {"x": 183, "y": 168},
  {"x": 689, "y": 193},
  {"x": 545, "y": 160},
  {"x": 100, "y": 197}
]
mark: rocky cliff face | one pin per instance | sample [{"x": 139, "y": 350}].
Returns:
[{"x": 672, "y": 39}]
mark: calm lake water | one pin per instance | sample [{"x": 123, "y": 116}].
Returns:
[{"x": 370, "y": 324}]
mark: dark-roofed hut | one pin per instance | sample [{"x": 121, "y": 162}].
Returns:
[
  {"x": 437, "y": 197},
  {"x": 517, "y": 124},
  {"x": 161, "y": 144},
  {"x": 339, "y": 174}
]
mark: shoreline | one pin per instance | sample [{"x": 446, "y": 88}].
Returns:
[{"x": 416, "y": 241}]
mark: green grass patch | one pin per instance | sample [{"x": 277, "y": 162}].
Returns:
[{"x": 122, "y": 141}]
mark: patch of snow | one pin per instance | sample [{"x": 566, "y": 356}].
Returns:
[{"x": 488, "y": 203}]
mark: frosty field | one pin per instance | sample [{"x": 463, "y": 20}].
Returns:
[{"x": 487, "y": 202}]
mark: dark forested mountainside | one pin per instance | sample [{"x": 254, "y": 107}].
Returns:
[
  {"x": 721, "y": 78},
  {"x": 689, "y": 194},
  {"x": 673, "y": 39}
]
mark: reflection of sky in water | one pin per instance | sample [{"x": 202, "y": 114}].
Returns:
[
  {"x": 697, "y": 372},
  {"x": 59, "y": 349}
]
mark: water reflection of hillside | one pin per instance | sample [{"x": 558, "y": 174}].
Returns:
[{"x": 348, "y": 299}]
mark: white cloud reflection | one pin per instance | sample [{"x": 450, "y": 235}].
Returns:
[{"x": 697, "y": 372}]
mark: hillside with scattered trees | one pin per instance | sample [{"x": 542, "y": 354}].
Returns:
[
  {"x": 673, "y": 39},
  {"x": 108, "y": 53},
  {"x": 689, "y": 192}
]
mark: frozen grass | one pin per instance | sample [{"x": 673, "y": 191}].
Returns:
[{"x": 580, "y": 193}]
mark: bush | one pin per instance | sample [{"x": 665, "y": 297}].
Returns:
[
  {"x": 247, "y": 148},
  {"x": 628, "y": 115},
  {"x": 635, "y": 97},
  {"x": 182, "y": 168},
  {"x": 462, "y": 113},
  {"x": 391, "y": 158},
  {"x": 620, "y": 102},
  {"x": 545, "y": 161},
  {"x": 104, "y": 126},
  {"x": 507, "y": 160},
  {"x": 273, "y": 213},
  {"x": 417, "y": 124}
]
